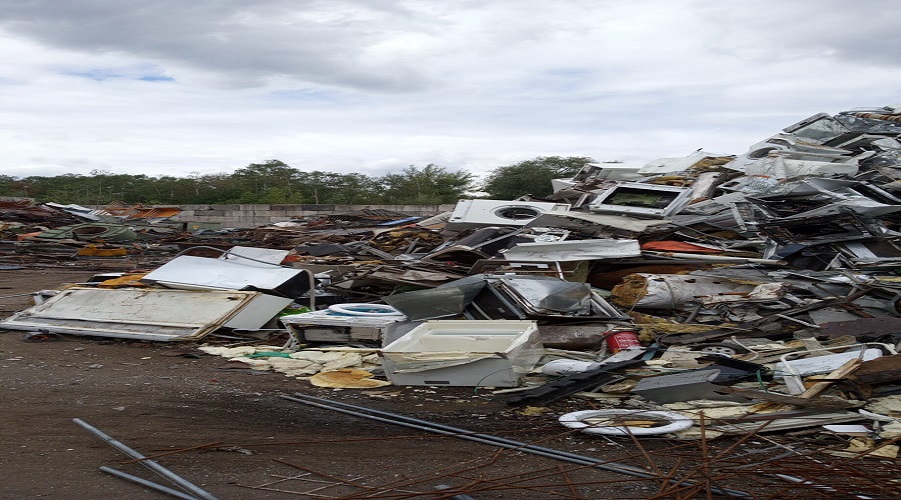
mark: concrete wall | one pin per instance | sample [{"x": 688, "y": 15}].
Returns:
[{"x": 261, "y": 215}]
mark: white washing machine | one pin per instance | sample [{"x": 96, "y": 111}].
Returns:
[{"x": 480, "y": 213}]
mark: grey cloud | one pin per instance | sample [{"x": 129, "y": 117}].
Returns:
[
  {"x": 250, "y": 42},
  {"x": 860, "y": 31},
  {"x": 354, "y": 82}
]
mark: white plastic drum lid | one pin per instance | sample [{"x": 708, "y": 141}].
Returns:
[
  {"x": 371, "y": 310},
  {"x": 577, "y": 420}
]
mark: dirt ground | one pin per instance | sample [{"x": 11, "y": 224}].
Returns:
[
  {"x": 158, "y": 397},
  {"x": 250, "y": 443}
]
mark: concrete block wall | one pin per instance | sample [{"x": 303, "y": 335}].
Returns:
[{"x": 262, "y": 215}]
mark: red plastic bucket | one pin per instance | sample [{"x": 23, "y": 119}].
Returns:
[{"x": 619, "y": 339}]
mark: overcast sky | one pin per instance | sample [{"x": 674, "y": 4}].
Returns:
[{"x": 174, "y": 86}]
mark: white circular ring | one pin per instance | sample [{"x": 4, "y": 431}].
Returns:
[
  {"x": 374, "y": 310},
  {"x": 575, "y": 420}
]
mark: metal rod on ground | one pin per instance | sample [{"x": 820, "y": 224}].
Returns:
[
  {"x": 482, "y": 438},
  {"x": 492, "y": 440},
  {"x": 159, "y": 469},
  {"x": 149, "y": 484},
  {"x": 457, "y": 430}
]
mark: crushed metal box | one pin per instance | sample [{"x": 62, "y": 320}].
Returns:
[
  {"x": 495, "y": 353},
  {"x": 327, "y": 326}
]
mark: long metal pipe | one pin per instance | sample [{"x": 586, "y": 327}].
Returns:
[
  {"x": 150, "y": 464},
  {"x": 446, "y": 430},
  {"x": 149, "y": 484},
  {"x": 479, "y": 438},
  {"x": 457, "y": 430}
]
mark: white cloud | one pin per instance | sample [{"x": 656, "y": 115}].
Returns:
[{"x": 172, "y": 87}]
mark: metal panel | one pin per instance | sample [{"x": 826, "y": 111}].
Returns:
[
  {"x": 565, "y": 251},
  {"x": 147, "y": 314},
  {"x": 253, "y": 256},
  {"x": 262, "y": 309},
  {"x": 192, "y": 273}
]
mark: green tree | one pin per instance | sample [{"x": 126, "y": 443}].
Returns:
[
  {"x": 320, "y": 187},
  {"x": 31, "y": 187},
  {"x": 6, "y": 185},
  {"x": 219, "y": 188},
  {"x": 332, "y": 188},
  {"x": 272, "y": 181},
  {"x": 258, "y": 178},
  {"x": 429, "y": 185},
  {"x": 357, "y": 189},
  {"x": 531, "y": 177}
]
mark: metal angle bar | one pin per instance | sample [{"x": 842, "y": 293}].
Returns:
[
  {"x": 159, "y": 469},
  {"x": 149, "y": 484},
  {"x": 489, "y": 439},
  {"x": 499, "y": 238}
]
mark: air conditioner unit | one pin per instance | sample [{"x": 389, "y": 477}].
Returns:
[
  {"x": 639, "y": 199},
  {"x": 478, "y": 213}
]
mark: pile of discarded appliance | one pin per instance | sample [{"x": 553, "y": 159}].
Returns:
[{"x": 759, "y": 292}]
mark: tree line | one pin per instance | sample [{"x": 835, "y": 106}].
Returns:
[{"x": 275, "y": 182}]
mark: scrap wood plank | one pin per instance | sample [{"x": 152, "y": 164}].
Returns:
[
  {"x": 822, "y": 403},
  {"x": 840, "y": 373},
  {"x": 819, "y": 387}
]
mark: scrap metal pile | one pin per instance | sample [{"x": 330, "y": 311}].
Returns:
[
  {"x": 51, "y": 232},
  {"x": 744, "y": 289}
]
